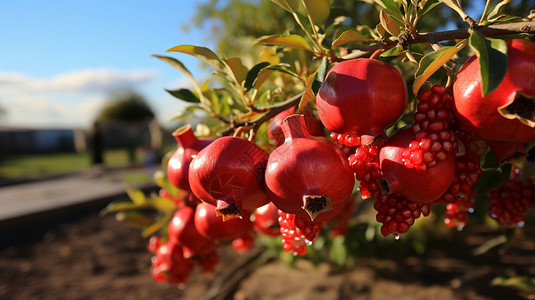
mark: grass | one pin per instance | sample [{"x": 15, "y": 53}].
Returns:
[{"x": 16, "y": 166}]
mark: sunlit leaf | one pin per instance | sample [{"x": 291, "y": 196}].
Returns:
[
  {"x": 349, "y": 36},
  {"x": 122, "y": 206},
  {"x": 319, "y": 10},
  {"x": 162, "y": 203},
  {"x": 134, "y": 218},
  {"x": 270, "y": 55},
  {"x": 262, "y": 77},
  {"x": 456, "y": 6},
  {"x": 493, "y": 10},
  {"x": 394, "y": 8},
  {"x": 430, "y": 63},
  {"x": 239, "y": 71},
  {"x": 137, "y": 196},
  {"x": 492, "y": 59},
  {"x": 252, "y": 75},
  {"x": 394, "y": 51},
  {"x": 293, "y": 41},
  {"x": 202, "y": 53},
  {"x": 185, "y": 95},
  {"x": 388, "y": 23},
  {"x": 289, "y": 5},
  {"x": 159, "y": 224}
]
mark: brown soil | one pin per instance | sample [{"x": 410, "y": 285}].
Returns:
[{"x": 100, "y": 258}]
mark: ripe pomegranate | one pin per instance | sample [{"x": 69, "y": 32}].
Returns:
[
  {"x": 274, "y": 131},
  {"x": 397, "y": 213},
  {"x": 229, "y": 173},
  {"x": 308, "y": 176},
  {"x": 266, "y": 220},
  {"x": 422, "y": 186},
  {"x": 297, "y": 233},
  {"x": 169, "y": 264},
  {"x": 361, "y": 97},
  {"x": 506, "y": 114},
  {"x": 188, "y": 147},
  {"x": 214, "y": 228},
  {"x": 181, "y": 230}
]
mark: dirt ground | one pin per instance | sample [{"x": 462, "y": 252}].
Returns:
[{"x": 90, "y": 257}]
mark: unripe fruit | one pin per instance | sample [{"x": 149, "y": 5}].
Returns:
[
  {"x": 422, "y": 186},
  {"x": 309, "y": 176},
  {"x": 506, "y": 114},
  {"x": 188, "y": 147},
  {"x": 229, "y": 173},
  {"x": 361, "y": 97}
]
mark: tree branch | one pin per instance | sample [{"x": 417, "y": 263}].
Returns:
[
  {"x": 434, "y": 37},
  {"x": 275, "y": 110}
]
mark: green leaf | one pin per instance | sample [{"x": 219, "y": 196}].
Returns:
[
  {"x": 456, "y": 6},
  {"x": 394, "y": 51},
  {"x": 134, "y": 219},
  {"x": 162, "y": 204},
  {"x": 137, "y": 196},
  {"x": 293, "y": 41},
  {"x": 252, "y": 75},
  {"x": 185, "y": 95},
  {"x": 492, "y": 58},
  {"x": 430, "y": 63},
  {"x": 391, "y": 5},
  {"x": 349, "y": 36},
  {"x": 283, "y": 69},
  {"x": 493, "y": 175},
  {"x": 319, "y": 10},
  {"x": 202, "y": 53},
  {"x": 159, "y": 224},
  {"x": 321, "y": 74},
  {"x": 493, "y": 10},
  {"x": 117, "y": 206},
  {"x": 239, "y": 71},
  {"x": 428, "y": 6}
]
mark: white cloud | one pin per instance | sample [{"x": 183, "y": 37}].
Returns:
[
  {"x": 81, "y": 81},
  {"x": 65, "y": 100}
]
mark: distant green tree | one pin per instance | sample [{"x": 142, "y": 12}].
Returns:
[{"x": 127, "y": 106}]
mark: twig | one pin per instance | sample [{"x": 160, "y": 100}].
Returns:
[{"x": 434, "y": 37}]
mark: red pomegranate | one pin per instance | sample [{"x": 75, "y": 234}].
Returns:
[
  {"x": 422, "y": 186},
  {"x": 214, "y": 228},
  {"x": 361, "y": 97},
  {"x": 266, "y": 220},
  {"x": 308, "y": 176},
  {"x": 181, "y": 230},
  {"x": 229, "y": 173},
  {"x": 169, "y": 264},
  {"x": 506, "y": 114},
  {"x": 274, "y": 131},
  {"x": 188, "y": 147}
]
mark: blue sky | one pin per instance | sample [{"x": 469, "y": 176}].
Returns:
[{"x": 59, "y": 60}]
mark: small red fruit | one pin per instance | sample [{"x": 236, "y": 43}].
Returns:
[
  {"x": 181, "y": 230},
  {"x": 229, "y": 173},
  {"x": 169, "y": 264},
  {"x": 361, "y": 97},
  {"x": 506, "y": 114},
  {"x": 214, "y": 228},
  {"x": 309, "y": 176},
  {"x": 266, "y": 220},
  {"x": 188, "y": 147}
]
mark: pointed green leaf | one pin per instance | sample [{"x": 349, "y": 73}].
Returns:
[
  {"x": 430, "y": 63},
  {"x": 252, "y": 75},
  {"x": 428, "y": 6},
  {"x": 493, "y": 175},
  {"x": 321, "y": 74},
  {"x": 134, "y": 219},
  {"x": 122, "y": 206},
  {"x": 349, "y": 36},
  {"x": 162, "y": 204},
  {"x": 394, "y": 8},
  {"x": 293, "y": 41},
  {"x": 494, "y": 10},
  {"x": 184, "y": 94},
  {"x": 492, "y": 58},
  {"x": 202, "y": 53}
]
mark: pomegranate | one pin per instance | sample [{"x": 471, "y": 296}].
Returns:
[
  {"x": 188, "y": 147},
  {"x": 397, "y": 213},
  {"x": 181, "y": 230},
  {"x": 274, "y": 131},
  {"x": 169, "y": 264},
  {"x": 266, "y": 220},
  {"x": 508, "y": 153},
  {"x": 297, "y": 233},
  {"x": 361, "y": 97},
  {"x": 229, "y": 173},
  {"x": 422, "y": 186},
  {"x": 214, "y": 228},
  {"x": 308, "y": 176},
  {"x": 506, "y": 114}
]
